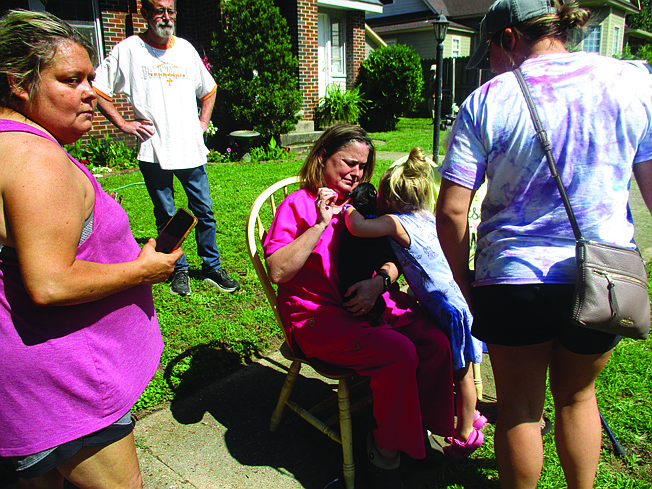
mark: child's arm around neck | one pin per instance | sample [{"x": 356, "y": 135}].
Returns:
[{"x": 386, "y": 225}]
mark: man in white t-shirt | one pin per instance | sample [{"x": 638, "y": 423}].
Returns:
[{"x": 163, "y": 77}]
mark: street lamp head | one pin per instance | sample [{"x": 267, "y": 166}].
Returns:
[{"x": 441, "y": 26}]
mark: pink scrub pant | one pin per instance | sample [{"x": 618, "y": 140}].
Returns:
[{"x": 409, "y": 362}]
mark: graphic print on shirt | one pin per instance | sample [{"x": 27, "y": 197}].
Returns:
[{"x": 168, "y": 72}]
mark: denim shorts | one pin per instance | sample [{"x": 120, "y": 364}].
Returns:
[
  {"x": 529, "y": 314},
  {"x": 38, "y": 464}
]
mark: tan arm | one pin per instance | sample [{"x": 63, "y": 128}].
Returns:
[
  {"x": 386, "y": 225},
  {"x": 285, "y": 263},
  {"x": 141, "y": 128},
  {"x": 643, "y": 174},
  {"x": 207, "y": 110},
  {"x": 453, "y": 206},
  {"x": 46, "y": 199}
]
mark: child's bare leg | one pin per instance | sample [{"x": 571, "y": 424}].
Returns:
[{"x": 465, "y": 401}]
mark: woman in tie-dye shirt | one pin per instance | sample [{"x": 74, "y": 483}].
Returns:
[{"x": 598, "y": 115}]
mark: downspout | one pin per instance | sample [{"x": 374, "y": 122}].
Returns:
[{"x": 374, "y": 37}]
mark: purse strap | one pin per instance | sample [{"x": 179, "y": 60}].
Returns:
[{"x": 542, "y": 136}]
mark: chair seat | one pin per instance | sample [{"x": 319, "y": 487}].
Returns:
[{"x": 321, "y": 367}]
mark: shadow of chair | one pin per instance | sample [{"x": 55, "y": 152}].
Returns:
[{"x": 255, "y": 234}]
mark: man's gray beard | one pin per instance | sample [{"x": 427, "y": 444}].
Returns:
[{"x": 164, "y": 30}]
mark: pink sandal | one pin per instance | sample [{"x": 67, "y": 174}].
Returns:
[
  {"x": 458, "y": 450},
  {"x": 479, "y": 420},
  {"x": 478, "y": 423}
]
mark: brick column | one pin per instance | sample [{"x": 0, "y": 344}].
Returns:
[
  {"x": 307, "y": 54},
  {"x": 113, "y": 31},
  {"x": 355, "y": 45}
]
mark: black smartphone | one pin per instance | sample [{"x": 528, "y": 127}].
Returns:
[{"x": 175, "y": 231}]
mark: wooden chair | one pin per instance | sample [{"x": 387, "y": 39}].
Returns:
[{"x": 255, "y": 234}]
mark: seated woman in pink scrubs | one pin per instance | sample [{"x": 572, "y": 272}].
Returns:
[{"x": 407, "y": 356}]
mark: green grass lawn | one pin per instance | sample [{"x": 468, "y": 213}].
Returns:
[{"x": 208, "y": 335}]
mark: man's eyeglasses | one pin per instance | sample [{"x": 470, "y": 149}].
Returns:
[{"x": 160, "y": 12}]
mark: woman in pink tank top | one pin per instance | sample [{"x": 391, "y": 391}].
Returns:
[{"x": 79, "y": 338}]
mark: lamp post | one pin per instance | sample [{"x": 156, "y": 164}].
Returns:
[{"x": 440, "y": 26}]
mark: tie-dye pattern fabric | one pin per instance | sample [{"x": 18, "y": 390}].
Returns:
[{"x": 598, "y": 115}]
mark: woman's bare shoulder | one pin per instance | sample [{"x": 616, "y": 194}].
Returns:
[{"x": 28, "y": 159}]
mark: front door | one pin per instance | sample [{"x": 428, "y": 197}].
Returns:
[{"x": 331, "y": 51}]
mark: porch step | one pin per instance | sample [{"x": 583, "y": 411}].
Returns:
[
  {"x": 299, "y": 149},
  {"x": 300, "y": 142}
]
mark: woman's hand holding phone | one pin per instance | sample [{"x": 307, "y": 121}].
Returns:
[
  {"x": 159, "y": 256},
  {"x": 157, "y": 266}
]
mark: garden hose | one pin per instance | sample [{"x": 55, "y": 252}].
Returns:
[{"x": 125, "y": 186}]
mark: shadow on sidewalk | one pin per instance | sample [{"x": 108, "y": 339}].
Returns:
[{"x": 243, "y": 403}]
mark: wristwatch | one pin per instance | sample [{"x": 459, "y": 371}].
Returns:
[{"x": 386, "y": 280}]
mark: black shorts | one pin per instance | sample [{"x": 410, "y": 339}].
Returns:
[
  {"x": 529, "y": 314},
  {"x": 38, "y": 464}
]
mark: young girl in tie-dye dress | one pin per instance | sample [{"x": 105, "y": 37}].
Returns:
[{"x": 405, "y": 198}]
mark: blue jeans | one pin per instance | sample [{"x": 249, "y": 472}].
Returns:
[{"x": 194, "y": 181}]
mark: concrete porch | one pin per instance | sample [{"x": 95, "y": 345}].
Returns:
[{"x": 302, "y": 138}]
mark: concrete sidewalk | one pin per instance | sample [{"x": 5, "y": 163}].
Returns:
[{"x": 220, "y": 438}]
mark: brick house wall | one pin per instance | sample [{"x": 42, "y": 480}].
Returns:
[
  {"x": 307, "y": 42},
  {"x": 355, "y": 46},
  {"x": 198, "y": 24},
  {"x": 120, "y": 19}
]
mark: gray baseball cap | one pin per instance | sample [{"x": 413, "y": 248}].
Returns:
[{"x": 503, "y": 14}]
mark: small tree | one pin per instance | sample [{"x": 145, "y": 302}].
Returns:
[
  {"x": 390, "y": 79},
  {"x": 643, "y": 19},
  {"x": 255, "y": 70}
]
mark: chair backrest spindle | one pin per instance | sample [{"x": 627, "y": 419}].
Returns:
[{"x": 255, "y": 234}]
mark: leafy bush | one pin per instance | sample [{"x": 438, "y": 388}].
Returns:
[
  {"x": 255, "y": 70},
  {"x": 643, "y": 52},
  {"x": 391, "y": 81},
  {"x": 339, "y": 106},
  {"x": 103, "y": 155}
]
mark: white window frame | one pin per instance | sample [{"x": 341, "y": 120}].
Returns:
[
  {"x": 456, "y": 47},
  {"x": 331, "y": 72},
  {"x": 592, "y": 39},
  {"x": 337, "y": 41},
  {"x": 90, "y": 29},
  {"x": 616, "y": 43}
]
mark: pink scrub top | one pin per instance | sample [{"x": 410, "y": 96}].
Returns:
[{"x": 310, "y": 304}]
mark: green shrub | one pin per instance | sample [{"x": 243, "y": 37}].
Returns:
[
  {"x": 643, "y": 19},
  {"x": 339, "y": 106},
  {"x": 643, "y": 52},
  {"x": 390, "y": 79},
  {"x": 255, "y": 70},
  {"x": 101, "y": 155}
]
